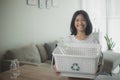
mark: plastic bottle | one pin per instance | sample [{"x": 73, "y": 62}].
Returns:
[
  {"x": 17, "y": 65},
  {"x": 13, "y": 70}
]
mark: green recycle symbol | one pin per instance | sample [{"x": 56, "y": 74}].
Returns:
[{"x": 75, "y": 67}]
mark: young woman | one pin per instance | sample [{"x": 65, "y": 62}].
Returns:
[{"x": 81, "y": 29}]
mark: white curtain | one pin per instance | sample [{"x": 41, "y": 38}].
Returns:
[
  {"x": 97, "y": 12},
  {"x": 105, "y": 15},
  {"x": 114, "y": 22}
]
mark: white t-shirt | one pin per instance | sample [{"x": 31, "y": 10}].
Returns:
[{"x": 72, "y": 39}]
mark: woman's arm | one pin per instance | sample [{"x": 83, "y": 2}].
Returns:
[
  {"x": 100, "y": 63},
  {"x": 54, "y": 66},
  {"x": 57, "y": 73}
]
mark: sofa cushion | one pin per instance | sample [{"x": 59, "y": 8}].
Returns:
[
  {"x": 42, "y": 52},
  {"x": 48, "y": 62},
  {"x": 27, "y": 53},
  {"x": 49, "y": 48}
]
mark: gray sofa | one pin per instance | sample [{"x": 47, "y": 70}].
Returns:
[{"x": 32, "y": 54}]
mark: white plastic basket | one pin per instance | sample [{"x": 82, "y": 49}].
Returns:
[{"x": 75, "y": 58}]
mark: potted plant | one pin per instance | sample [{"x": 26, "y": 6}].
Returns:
[{"x": 110, "y": 44}]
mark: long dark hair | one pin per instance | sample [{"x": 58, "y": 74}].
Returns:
[{"x": 88, "y": 30}]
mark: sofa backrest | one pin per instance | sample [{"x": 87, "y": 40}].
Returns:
[{"x": 27, "y": 53}]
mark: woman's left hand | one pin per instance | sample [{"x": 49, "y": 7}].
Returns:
[{"x": 57, "y": 73}]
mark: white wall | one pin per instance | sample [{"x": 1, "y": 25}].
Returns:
[{"x": 21, "y": 24}]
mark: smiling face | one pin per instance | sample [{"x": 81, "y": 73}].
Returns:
[{"x": 80, "y": 23}]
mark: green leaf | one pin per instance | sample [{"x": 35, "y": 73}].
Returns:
[{"x": 110, "y": 44}]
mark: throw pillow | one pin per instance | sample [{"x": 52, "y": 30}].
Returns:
[
  {"x": 49, "y": 48},
  {"x": 27, "y": 53},
  {"x": 42, "y": 52}
]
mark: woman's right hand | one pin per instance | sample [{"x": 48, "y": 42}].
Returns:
[{"x": 57, "y": 73}]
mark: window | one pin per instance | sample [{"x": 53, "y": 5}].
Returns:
[
  {"x": 105, "y": 16},
  {"x": 114, "y": 21}
]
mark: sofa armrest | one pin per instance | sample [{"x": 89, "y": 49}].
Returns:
[{"x": 6, "y": 64}]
